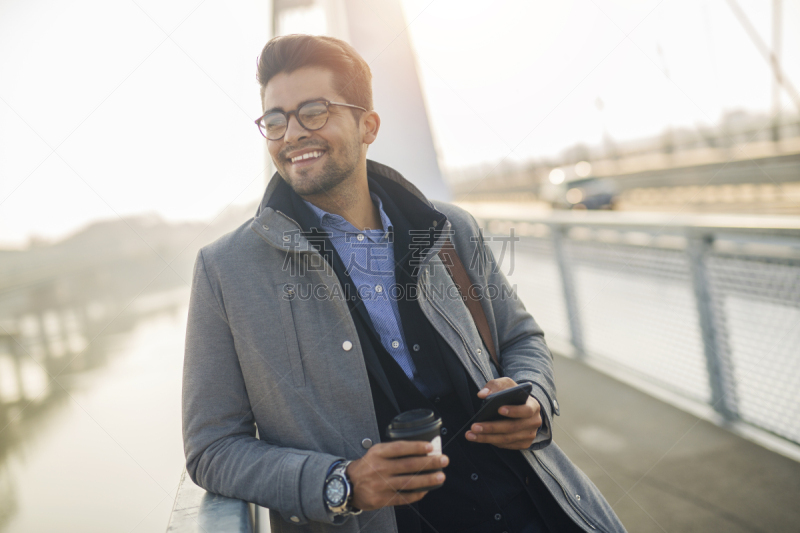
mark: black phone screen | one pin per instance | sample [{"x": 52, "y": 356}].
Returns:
[{"x": 514, "y": 396}]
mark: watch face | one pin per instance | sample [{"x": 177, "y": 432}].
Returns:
[{"x": 335, "y": 492}]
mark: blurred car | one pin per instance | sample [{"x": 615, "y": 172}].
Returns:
[{"x": 582, "y": 193}]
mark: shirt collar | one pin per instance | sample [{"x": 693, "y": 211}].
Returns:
[{"x": 332, "y": 221}]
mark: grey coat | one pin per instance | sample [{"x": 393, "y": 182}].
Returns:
[{"x": 275, "y": 389}]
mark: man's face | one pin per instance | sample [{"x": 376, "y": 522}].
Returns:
[{"x": 338, "y": 142}]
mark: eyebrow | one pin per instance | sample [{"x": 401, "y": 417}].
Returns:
[{"x": 301, "y": 104}]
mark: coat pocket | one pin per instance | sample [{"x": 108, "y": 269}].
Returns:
[{"x": 286, "y": 296}]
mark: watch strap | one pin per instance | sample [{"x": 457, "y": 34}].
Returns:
[{"x": 334, "y": 465}]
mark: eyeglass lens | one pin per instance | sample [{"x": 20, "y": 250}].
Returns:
[{"x": 312, "y": 116}]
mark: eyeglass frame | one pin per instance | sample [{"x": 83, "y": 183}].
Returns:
[{"x": 288, "y": 114}]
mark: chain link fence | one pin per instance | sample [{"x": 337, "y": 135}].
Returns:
[{"x": 706, "y": 307}]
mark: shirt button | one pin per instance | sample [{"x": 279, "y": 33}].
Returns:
[
  {"x": 378, "y": 288},
  {"x": 416, "y": 347},
  {"x": 366, "y": 444},
  {"x": 347, "y": 346},
  {"x": 294, "y": 519},
  {"x": 395, "y": 344},
  {"x": 474, "y": 477},
  {"x": 498, "y": 517},
  {"x": 360, "y": 237}
]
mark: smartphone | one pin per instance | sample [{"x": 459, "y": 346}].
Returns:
[{"x": 514, "y": 396}]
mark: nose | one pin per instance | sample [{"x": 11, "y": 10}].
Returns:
[{"x": 294, "y": 131}]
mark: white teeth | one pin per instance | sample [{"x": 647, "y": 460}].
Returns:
[{"x": 308, "y": 155}]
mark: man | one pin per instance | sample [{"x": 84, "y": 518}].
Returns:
[{"x": 331, "y": 311}]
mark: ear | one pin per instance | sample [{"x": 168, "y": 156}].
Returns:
[{"x": 372, "y": 123}]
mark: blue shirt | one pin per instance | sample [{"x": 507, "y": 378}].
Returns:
[{"x": 368, "y": 257}]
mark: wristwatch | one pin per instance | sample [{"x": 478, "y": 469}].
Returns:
[{"x": 338, "y": 492}]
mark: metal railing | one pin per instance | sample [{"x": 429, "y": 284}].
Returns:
[{"x": 703, "y": 308}]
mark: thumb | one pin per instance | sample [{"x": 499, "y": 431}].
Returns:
[{"x": 495, "y": 385}]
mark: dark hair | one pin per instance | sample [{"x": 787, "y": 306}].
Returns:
[{"x": 352, "y": 77}]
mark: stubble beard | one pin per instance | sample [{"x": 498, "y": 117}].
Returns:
[{"x": 331, "y": 174}]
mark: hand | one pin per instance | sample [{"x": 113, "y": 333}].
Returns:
[
  {"x": 387, "y": 468},
  {"x": 517, "y": 433}
]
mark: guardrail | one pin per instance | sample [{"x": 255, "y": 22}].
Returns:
[
  {"x": 701, "y": 308},
  {"x": 198, "y": 511}
]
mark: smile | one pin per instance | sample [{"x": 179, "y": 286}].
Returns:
[{"x": 308, "y": 155}]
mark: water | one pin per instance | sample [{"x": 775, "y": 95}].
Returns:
[{"x": 100, "y": 449}]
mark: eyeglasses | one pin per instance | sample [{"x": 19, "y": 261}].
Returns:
[{"x": 311, "y": 115}]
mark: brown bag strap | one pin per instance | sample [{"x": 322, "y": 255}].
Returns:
[{"x": 450, "y": 258}]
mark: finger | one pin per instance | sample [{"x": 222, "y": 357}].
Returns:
[
  {"x": 496, "y": 385},
  {"x": 514, "y": 441},
  {"x": 401, "y": 448},
  {"x": 512, "y": 425},
  {"x": 519, "y": 411},
  {"x": 414, "y": 465},
  {"x": 503, "y": 438},
  {"x": 407, "y": 483}
]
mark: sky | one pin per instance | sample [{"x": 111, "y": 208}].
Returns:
[
  {"x": 528, "y": 74},
  {"x": 120, "y": 107}
]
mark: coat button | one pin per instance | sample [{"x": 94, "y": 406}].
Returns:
[
  {"x": 474, "y": 477},
  {"x": 498, "y": 517},
  {"x": 265, "y": 226},
  {"x": 479, "y": 351},
  {"x": 366, "y": 444},
  {"x": 294, "y": 519},
  {"x": 578, "y": 497},
  {"x": 416, "y": 347},
  {"x": 347, "y": 346},
  {"x": 444, "y": 431}
]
